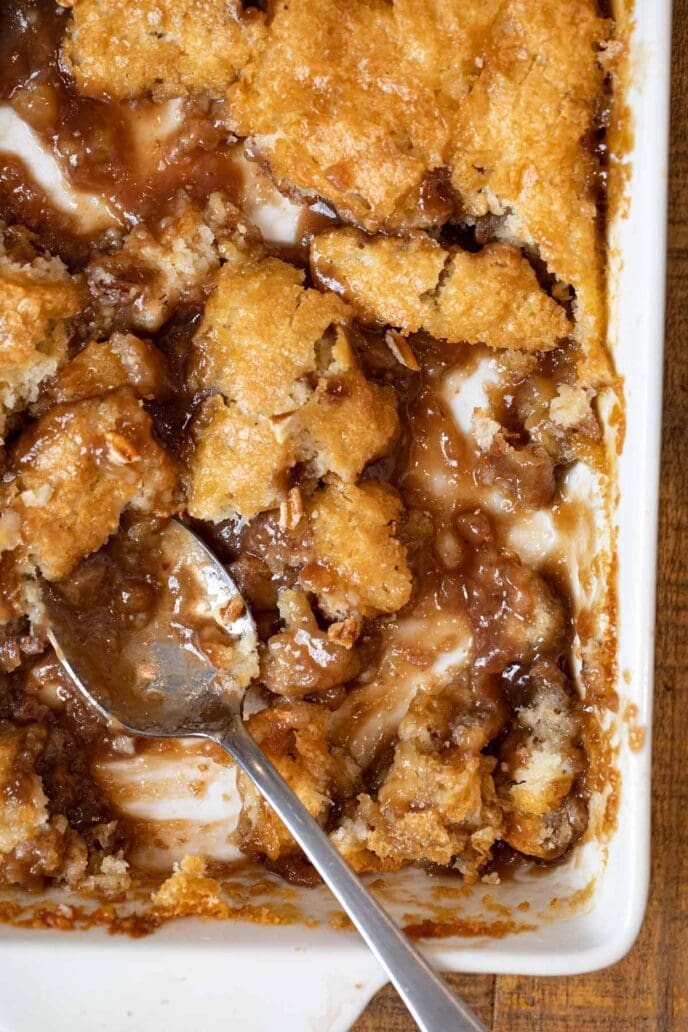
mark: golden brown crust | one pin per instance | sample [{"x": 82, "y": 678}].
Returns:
[
  {"x": 358, "y": 563},
  {"x": 238, "y": 465},
  {"x": 279, "y": 355},
  {"x": 158, "y": 47},
  {"x": 438, "y": 800},
  {"x": 519, "y": 144},
  {"x": 385, "y": 278},
  {"x": 123, "y": 360},
  {"x": 295, "y": 737},
  {"x": 37, "y": 300},
  {"x": 258, "y": 341},
  {"x": 358, "y": 103},
  {"x": 494, "y": 297},
  {"x": 346, "y": 423},
  {"x": 338, "y": 105},
  {"x": 417, "y": 652},
  {"x": 490, "y": 297},
  {"x": 73, "y": 473}
]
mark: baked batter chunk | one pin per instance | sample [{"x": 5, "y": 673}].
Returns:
[
  {"x": 123, "y": 360},
  {"x": 38, "y": 298},
  {"x": 358, "y": 565},
  {"x": 520, "y": 146},
  {"x": 338, "y": 104},
  {"x": 539, "y": 762},
  {"x": 490, "y": 297},
  {"x": 259, "y": 339},
  {"x": 238, "y": 467},
  {"x": 295, "y": 737},
  {"x": 438, "y": 800},
  {"x": 278, "y": 353},
  {"x": 348, "y": 421},
  {"x": 157, "y": 47},
  {"x": 155, "y": 268},
  {"x": 73, "y": 473}
]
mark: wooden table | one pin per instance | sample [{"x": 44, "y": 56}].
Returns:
[{"x": 649, "y": 989}]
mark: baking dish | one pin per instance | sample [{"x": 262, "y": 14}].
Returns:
[{"x": 582, "y": 915}]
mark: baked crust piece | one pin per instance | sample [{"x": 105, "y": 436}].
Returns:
[
  {"x": 238, "y": 467},
  {"x": 278, "y": 354},
  {"x": 519, "y": 140},
  {"x": 37, "y": 300},
  {"x": 258, "y": 341},
  {"x": 137, "y": 286},
  {"x": 345, "y": 424},
  {"x": 339, "y": 106},
  {"x": 73, "y": 473},
  {"x": 490, "y": 297},
  {"x": 159, "y": 47},
  {"x": 123, "y": 360},
  {"x": 540, "y": 759},
  {"x": 438, "y": 800},
  {"x": 295, "y": 738},
  {"x": 357, "y": 103},
  {"x": 359, "y": 565}
]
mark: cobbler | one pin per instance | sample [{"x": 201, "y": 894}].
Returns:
[{"x": 360, "y": 416}]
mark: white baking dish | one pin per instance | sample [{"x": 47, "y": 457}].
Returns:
[{"x": 250, "y": 977}]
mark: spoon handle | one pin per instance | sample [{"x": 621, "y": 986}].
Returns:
[{"x": 433, "y": 1005}]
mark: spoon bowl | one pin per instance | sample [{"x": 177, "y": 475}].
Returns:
[{"x": 159, "y": 680}]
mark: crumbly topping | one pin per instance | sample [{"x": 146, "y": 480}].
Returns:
[
  {"x": 338, "y": 105},
  {"x": 293, "y": 391},
  {"x": 114, "y": 463},
  {"x": 37, "y": 301},
  {"x": 162, "y": 48},
  {"x": 491, "y": 297},
  {"x": 359, "y": 565},
  {"x": 239, "y": 467},
  {"x": 518, "y": 143},
  {"x": 123, "y": 360},
  {"x": 363, "y": 473},
  {"x": 261, "y": 330},
  {"x": 438, "y": 800},
  {"x": 503, "y": 93}
]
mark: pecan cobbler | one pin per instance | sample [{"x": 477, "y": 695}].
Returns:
[{"x": 326, "y": 280}]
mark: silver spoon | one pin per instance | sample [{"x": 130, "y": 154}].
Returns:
[{"x": 159, "y": 683}]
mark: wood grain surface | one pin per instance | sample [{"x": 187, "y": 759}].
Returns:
[{"x": 648, "y": 990}]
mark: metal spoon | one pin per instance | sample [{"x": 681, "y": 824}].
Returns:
[{"x": 159, "y": 683}]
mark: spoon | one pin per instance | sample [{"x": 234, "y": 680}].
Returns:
[{"x": 156, "y": 681}]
